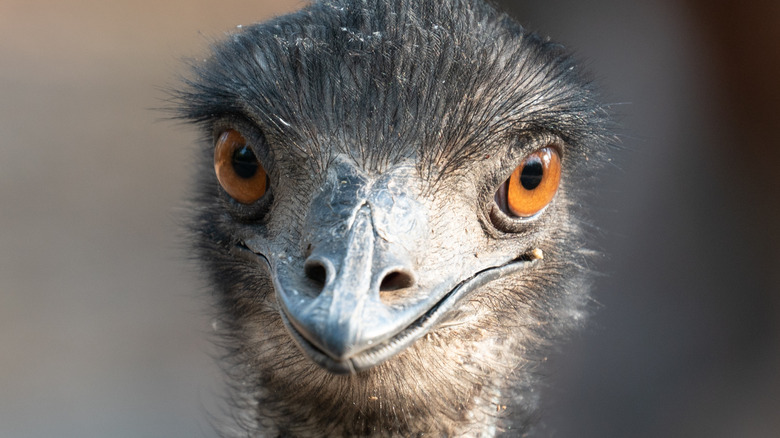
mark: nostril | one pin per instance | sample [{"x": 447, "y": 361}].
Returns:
[
  {"x": 396, "y": 280},
  {"x": 316, "y": 272}
]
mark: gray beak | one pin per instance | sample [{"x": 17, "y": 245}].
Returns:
[
  {"x": 361, "y": 238},
  {"x": 348, "y": 315}
]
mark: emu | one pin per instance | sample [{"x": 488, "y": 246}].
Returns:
[{"x": 387, "y": 207}]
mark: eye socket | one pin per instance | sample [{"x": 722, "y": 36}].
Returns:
[
  {"x": 532, "y": 185},
  {"x": 238, "y": 170}
]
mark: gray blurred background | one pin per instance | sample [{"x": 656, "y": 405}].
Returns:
[{"x": 104, "y": 327}]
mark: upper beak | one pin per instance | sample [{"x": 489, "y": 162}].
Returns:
[
  {"x": 362, "y": 237},
  {"x": 347, "y": 315}
]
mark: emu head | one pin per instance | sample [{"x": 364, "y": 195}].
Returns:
[{"x": 385, "y": 208}]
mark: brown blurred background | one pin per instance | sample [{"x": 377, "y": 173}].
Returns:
[{"x": 103, "y": 325}]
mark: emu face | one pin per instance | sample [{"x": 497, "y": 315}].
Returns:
[{"x": 385, "y": 209}]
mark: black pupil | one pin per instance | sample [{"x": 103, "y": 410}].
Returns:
[
  {"x": 245, "y": 163},
  {"x": 532, "y": 173}
]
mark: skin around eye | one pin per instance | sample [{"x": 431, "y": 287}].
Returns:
[{"x": 238, "y": 170}]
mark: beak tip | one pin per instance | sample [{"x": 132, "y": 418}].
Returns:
[{"x": 337, "y": 344}]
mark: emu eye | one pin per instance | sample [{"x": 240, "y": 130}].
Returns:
[
  {"x": 238, "y": 170},
  {"x": 532, "y": 185}
]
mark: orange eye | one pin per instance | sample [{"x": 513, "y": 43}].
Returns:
[
  {"x": 238, "y": 170},
  {"x": 532, "y": 185}
]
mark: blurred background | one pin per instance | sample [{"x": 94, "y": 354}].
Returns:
[{"x": 104, "y": 327}]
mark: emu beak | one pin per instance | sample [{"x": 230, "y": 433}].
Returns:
[
  {"x": 360, "y": 294},
  {"x": 348, "y": 316}
]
